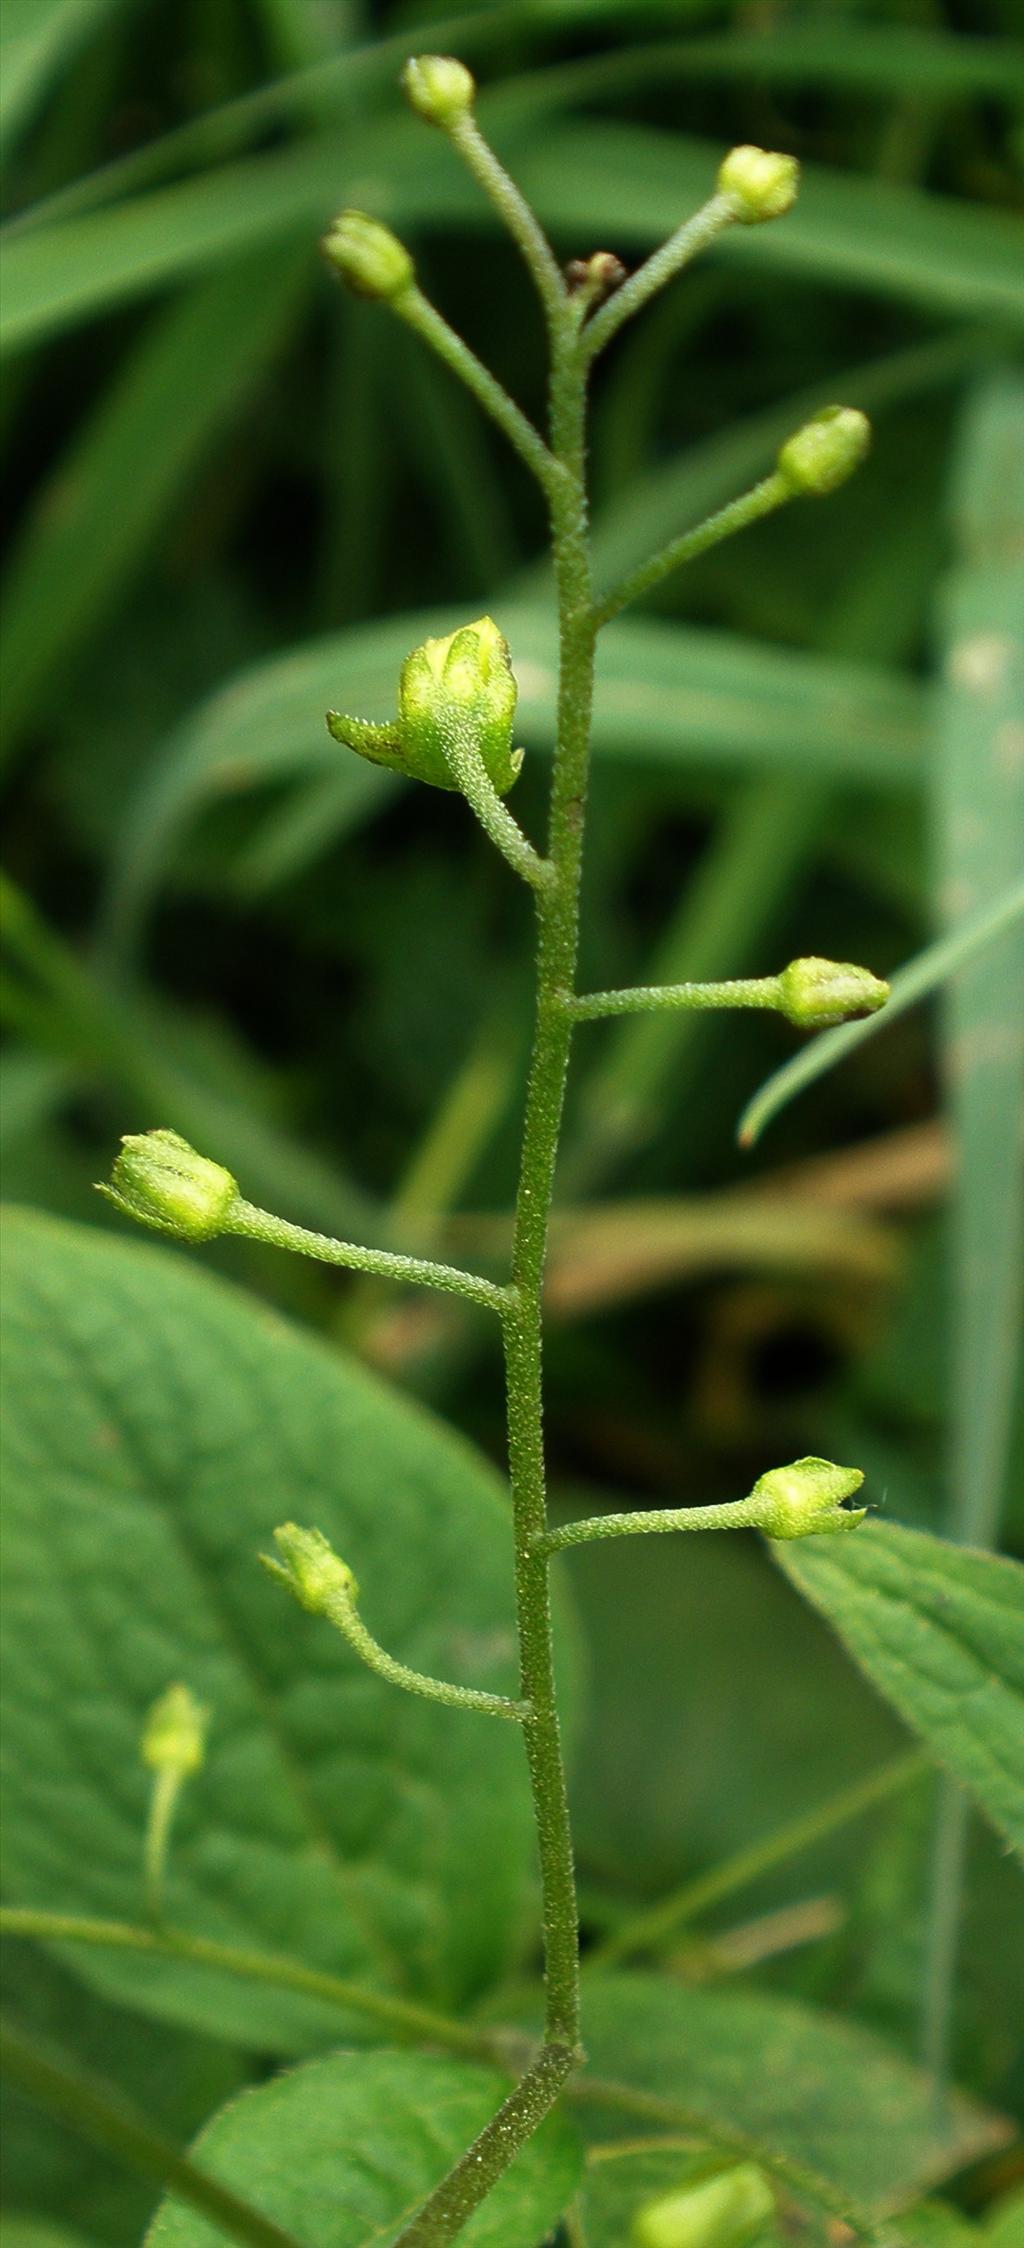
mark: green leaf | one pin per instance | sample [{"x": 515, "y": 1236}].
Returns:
[
  {"x": 158, "y": 1427},
  {"x": 35, "y": 2232},
  {"x": 344, "y": 2149},
  {"x": 827, "y": 2102},
  {"x": 940, "y": 1632},
  {"x": 129, "y": 465},
  {"x": 664, "y": 693},
  {"x": 39, "y": 38}
]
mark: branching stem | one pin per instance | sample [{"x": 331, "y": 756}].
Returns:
[
  {"x": 418, "y": 313},
  {"x": 695, "y": 234}
]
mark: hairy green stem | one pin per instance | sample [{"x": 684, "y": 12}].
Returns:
[
  {"x": 102, "y": 2114},
  {"x": 514, "y": 211},
  {"x": 166, "y": 1790},
  {"x": 418, "y": 313},
  {"x": 342, "y": 1612},
  {"x": 695, "y": 235},
  {"x": 762, "y": 499},
  {"x": 646, "y": 999},
  {"x": 398, "y": 2017},
  {"x": 278, "y": 1233},
  {"x": 731, "y": 1514},
  {"x": 557, "y": 906}
]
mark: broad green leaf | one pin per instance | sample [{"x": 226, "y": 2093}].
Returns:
[
  {"x": 940, "y": 1631},
  {"x": 621, "y": 2181},
  {"x": 158, "y": 1426},
  {"x": 664, "y": 693},
  {"x": 588, "y": 181},
  {"x": 129, "y": 465},
  {"x": 35, "y": 2232},
  {"x": 343, "y": 2149},
  {"x": 827, "y": 2102}
]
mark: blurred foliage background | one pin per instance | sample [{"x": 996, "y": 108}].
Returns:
[{"x": 237, "y": 496}]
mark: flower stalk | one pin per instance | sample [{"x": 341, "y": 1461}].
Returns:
[{"x": 456, "y": 704}]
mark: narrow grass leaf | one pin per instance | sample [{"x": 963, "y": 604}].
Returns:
[
  {"x": 129, "y": 465},
  {"x": 927, "y": 973}
]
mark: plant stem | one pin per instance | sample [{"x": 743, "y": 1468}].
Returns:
[
  {"x": 166, "y": 1790},
  {"x": 399, "y": 2017},
  {"x": 102, "y": 2114},
  {"x": 762, "y": 499},
  {"x": 261, "y": 1225},
  {"x": 645, "y": 999},
  {"x": 515, "y": 213},
  {"x": 557, "y": 906},
  {"x": 731, "y": 1514},
  {"x": 418, "y": 313},
  {"x": 685, "y": 244},
  {"x": 344, "y": 1615}
]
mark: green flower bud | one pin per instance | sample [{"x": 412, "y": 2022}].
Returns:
[
  {"x": 820, "y": 456},
  {"x": 728, "y": 2210},
  {"x": 438, "y": 88},
  {"x": 817, "y": 992},
  {"x": 310, "y": 1568},
  {"x": 758, "y": 183},
  {"x": 465, "y": 679},
  {"x": 174, "y": 1735},
  {"x": 368, "y": 256},
  {"x": 806, "y": 1499},
  {"x": 160, "y": 1180}
]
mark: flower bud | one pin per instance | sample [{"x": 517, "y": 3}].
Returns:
[
  {"x": 820, "y": 456},
  {"x": 368, "y": 256},
  {"x": 729, "y": 2210},
  {"x": 310, "y": 1568},
  {"x": 758, "y": 183},
  {"x": 174, "y": 1735},
  {"x": 805, "y": 1499},
  {"x": 815, "y": 993},
  {"x": 466, "y": 678},
  {"x": 438, "y": 88},
  {"x": 160, "y": 1180}
]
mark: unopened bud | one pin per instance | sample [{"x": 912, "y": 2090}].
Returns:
[
  {"x": 438, "y": 88},
  {"x": 806, "y": 1499},
  {"x": 596, "y": 277},
  {"x": 174, "y": 1735},
  {"x": 729, "y": 2210},
  {"x": 466, "y": 677},
  {"x": 160, "y": 1180},
  {"x": 820, "y": 456},
  {"x": 758, "y": 183},
  {"x": 368, "y": 256},
  {"x": 815, "y": 993},
  {"x": 310, "y": 1568}
]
